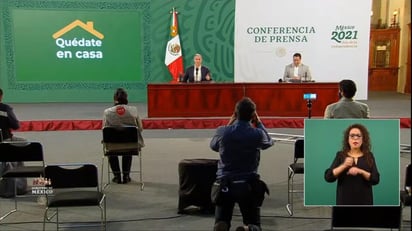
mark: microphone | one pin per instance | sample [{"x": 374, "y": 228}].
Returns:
[
  {"x": 196, "y": 77},
  {"x": 306, "y": 76}
]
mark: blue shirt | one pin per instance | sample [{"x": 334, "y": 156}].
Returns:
[{"x": 239, "y": 148}]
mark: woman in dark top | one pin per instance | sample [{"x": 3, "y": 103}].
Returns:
[{"x": 355, "y": 168}]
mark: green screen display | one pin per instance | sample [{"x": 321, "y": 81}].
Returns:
[
  {"x": 87, "y": 46},
  {"x": 323, "y": 138}
]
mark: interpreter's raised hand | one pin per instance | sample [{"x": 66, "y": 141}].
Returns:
[{"x": 348, "y": 162}]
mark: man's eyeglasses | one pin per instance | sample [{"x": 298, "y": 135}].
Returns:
[{"x": 353, "y": 136}]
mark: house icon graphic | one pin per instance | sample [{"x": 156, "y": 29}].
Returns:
[{"x": 77, "y": 23}]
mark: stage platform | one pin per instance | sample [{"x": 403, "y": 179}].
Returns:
[{"x": 88, "y": 116}]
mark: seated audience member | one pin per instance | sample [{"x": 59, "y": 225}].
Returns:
[
  {"x": 347, "y": 107},
  {"x": 297, "y": 72},
  {"x": 8, "y": 122},
  {"x": 197, "y": 72},
  {"x": 122, "y": 114}
]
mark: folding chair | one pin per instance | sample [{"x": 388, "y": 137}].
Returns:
[
  {"x": 293, "y": 169},
  {"x": 196, "y": 177},
  {"x": 31, "y": 153},
  {"x": 383, "y": 217},
  {"x": 407, "y": 190},
  {"x": 406, "y": 193},
  {"x": 119, "y": 141},
  {"x": 74, "y": 185}
]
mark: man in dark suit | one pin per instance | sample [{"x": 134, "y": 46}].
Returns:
[
  {"x": 8, "y": 122},
  {"x": 197, "y": 72}
]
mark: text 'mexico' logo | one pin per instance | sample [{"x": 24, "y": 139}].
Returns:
[
  {"x": 345, "y": 36},
  {"x": 79, "y": 47},
  {"x": 41, "y": 186}
]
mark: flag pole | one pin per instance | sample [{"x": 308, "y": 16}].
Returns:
[{"x": 174, "y": 56}]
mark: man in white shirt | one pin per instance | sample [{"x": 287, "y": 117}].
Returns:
[{"x": 297, "y": 72}]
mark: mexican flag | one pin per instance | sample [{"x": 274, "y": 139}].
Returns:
[{"x": 173, "y": 57}]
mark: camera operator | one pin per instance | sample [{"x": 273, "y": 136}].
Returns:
[{"x": 239, "y": 144}]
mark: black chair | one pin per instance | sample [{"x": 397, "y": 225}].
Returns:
[
  {"x": 405, "y": 194},
  {"x": 74, "y": 185},
  {"x": 388, "y": 217},
  {"x": 119, "y": 141},
  {"x": 196, "y": 177},
  {"x": 31, "y": 154},
  {"x": 297, "y": 167}
]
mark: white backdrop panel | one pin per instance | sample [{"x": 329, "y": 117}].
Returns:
[{"x": 333, "y": 39}]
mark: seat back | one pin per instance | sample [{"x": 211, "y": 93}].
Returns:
[
  {"x": 120, "y": 134},
  {"x": 21, "y": 151},
  {"x": 366, "y": 216},
  {"x": 299, "y": 149},
  {"x": 408, "y": 178},
  {"x": 72, "y": 175},
  {"x": 118, "y": 140}
]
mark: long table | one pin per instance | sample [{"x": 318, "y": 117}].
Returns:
[{"x": 219, "y": 99}]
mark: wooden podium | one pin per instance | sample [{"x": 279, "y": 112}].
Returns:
[{"x": 219, "y": 99}]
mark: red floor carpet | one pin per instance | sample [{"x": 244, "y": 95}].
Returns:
[{"x": 165, "y": 123}]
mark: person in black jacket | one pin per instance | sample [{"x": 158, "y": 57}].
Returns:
[
  {"x": 355, "y": 168},
  {"x": 197, "y": 72},
  {"x": 8, "y": 122}
]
